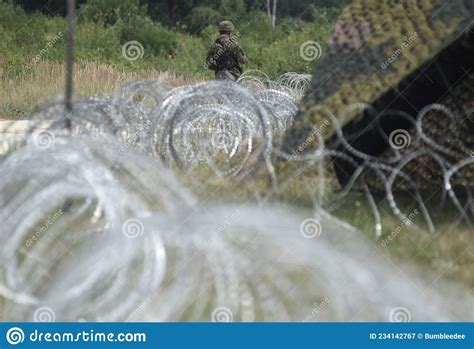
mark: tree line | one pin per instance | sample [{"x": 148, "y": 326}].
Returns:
[{"x": 189, "y": 15}]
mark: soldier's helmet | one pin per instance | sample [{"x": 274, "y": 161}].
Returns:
[{"x": 226, "y": 26}]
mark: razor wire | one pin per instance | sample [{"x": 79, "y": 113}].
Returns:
[{"x": 112, "y": 175}]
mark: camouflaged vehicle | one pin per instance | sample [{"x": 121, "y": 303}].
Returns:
[{"x": 390, "y": 66}]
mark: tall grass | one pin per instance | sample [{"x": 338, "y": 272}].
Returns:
[{"x": 46, "y": 79}]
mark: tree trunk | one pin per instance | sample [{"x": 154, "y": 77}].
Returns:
[
  {"x": 274, "y": 13},
  {"x": 268, "y": 10}
]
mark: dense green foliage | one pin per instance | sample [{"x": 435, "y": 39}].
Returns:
[{"x": 177, "y": 43}]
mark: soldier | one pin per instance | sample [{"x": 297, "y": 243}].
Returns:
[{"x": 225, "y": 56}]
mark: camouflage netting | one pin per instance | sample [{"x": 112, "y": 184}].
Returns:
[{"x": 391, "y": 69}]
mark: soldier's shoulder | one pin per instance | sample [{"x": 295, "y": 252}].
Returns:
[
  {"x": 236, "y": 47},
  {"x": 214, "y": 46},
  {"x": 234, "y": 41}
]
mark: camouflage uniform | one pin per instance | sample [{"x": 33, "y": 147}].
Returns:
[{"x": 225, "y": 57}]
